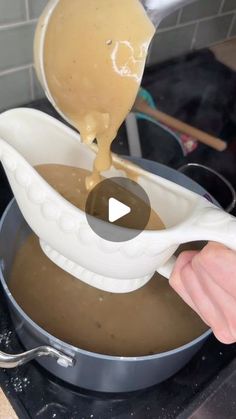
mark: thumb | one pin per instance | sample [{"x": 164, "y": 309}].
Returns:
[{"x": 184, "y": 261}]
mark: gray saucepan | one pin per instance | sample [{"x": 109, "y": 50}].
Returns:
[{"x": 78, "y": 367}]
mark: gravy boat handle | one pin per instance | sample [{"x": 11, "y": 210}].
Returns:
[{"x": 209, "y": 223}]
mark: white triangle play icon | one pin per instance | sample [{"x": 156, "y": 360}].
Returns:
[{"x": 117, "y": 210}]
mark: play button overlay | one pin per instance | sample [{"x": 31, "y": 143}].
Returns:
[{"x": 118, "y": 209}]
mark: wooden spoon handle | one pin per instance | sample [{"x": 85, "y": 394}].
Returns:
[{"x": 176, "y": 124}]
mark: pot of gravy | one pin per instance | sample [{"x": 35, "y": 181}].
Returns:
[{"x": 90, "y": 338}]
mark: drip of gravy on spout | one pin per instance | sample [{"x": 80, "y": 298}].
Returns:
[{"x": 94, "y": 57}]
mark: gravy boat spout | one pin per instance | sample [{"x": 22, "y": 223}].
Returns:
[{"x": 29, "y": 138}]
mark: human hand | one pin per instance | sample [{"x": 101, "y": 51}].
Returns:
[{"x": 206, "y": 281}]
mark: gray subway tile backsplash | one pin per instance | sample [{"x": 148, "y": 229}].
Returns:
[
  {"x": 229, "y": 5},
  {"x": 170, "y": 20},
  {"x": 213, "y": 30},
  {"x": 15, "y": 89},
  {"x": 214, "y": 22},
  {"x": 171, "y": 43},
  {"x": 12, "y": 11},
  {"x": 177, "y": 34},
  {"x": 200, "y": 9},
  {"x": 16, "y": 46},
  {"x": 36, "y": 7}
]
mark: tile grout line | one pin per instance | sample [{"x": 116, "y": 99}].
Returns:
[
  {"x": 217, "y": 42},
  {"x": 14, "y": 70},
  {"x": 179, "y": 17},
  {"x": 16, "y": 24},
  {"x": 191, "y": 22},
  {"x": 212, "y": 44},
  {"x": 27, "y": 10},
  {"x": 221, "y": 7},
  {"x": 231, "y": 26},
  {"x": 178, "y": 24},
  {"x": 194, "y": 36}
]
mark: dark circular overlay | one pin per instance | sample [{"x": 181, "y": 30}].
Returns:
[{"x": 124, "y": 191}]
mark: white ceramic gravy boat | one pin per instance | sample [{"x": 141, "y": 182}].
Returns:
[{"x": 29, "y": 138}]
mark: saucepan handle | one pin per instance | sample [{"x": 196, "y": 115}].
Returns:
[
  {"x": 13, "y": 361},
  {"x": 209, "y": 223}
]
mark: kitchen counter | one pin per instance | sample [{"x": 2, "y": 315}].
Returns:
[{"x": 6, "y": 410}]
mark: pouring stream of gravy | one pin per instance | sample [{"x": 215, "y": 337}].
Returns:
[{"x": 94, "y": 58}]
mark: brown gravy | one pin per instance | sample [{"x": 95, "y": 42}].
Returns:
[
  {"x": 148, "y": 321},
  {"x": 70, "y": 183}
]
